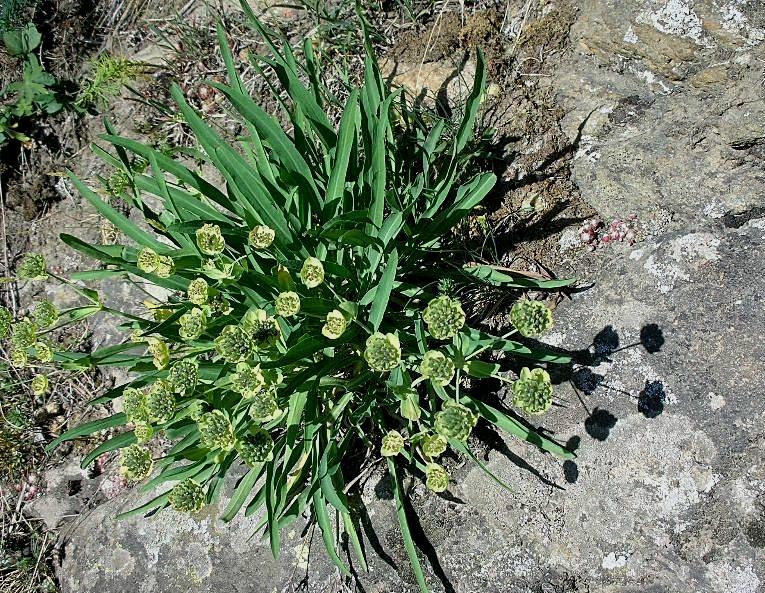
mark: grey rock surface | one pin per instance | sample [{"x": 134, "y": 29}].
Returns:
[
  {"x": 666, "y": 399},
  {"x": 672, "y": 99}
]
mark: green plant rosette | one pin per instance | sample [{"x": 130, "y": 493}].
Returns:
[{"x": 349, "y": 220}]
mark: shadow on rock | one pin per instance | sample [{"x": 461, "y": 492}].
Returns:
[
  {"x": 652, "y": 399},
  {"x": 487, "y": 435},
  {"x": 570, "y": 468},
  {"x": 599, "y": 424}
]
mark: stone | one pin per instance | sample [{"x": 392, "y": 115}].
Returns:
[
  {"x": 670, "y": 106},
  {"x": 442, "y": 83},
  {"x": 66, "y": 486}
]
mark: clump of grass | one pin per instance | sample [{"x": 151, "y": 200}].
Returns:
[
  {"x": 304, "y": 334},
  {"x": 108, "y": 76},
  {"x": 15, "y": 14}
]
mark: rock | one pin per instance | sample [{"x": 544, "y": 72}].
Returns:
[
  {"x": 66, "y": 486},
  {"x": 671, "y": 105},
  {"x": 441, "y": 83}
]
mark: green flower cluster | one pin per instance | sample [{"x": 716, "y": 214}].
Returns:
[
  {"x": 383, "y": 352},
  {"x": 312, "y": 272},
  {"x": 264, "y": 329},
  {"x": 261, "y": 237},
  {"x": 455, "y": 421},
  {"x": 197, "y": 292},
  {"x": 334, "y": 325},
  {"x": 263, "y": 405},
  {"x": 533, "y": 392},
  {"x": 160, "y": 402},
  {"x": 437, "y": 367},
  {"x": 192, "y": 325},
  {"x": 210, "y": 240},
  {"x": 444, "y": 317},
  {"x": 433, "y": 445},
  {"x": 531, "y": 318},
  {"x": 256, "y": 447},
  {"x": 248, "y": 380},
  {"x": 436, "y": 478},
  {"x": 151, "y": 262},
  {"x": 215, "y": 431},
  {"x": 136, "y": 462},
  {"x": 40, "y": 384},
  {"x": 187, "y": 496},
  {"x": 134, "y": 405},
  {"x": 392, "y": 444},
  {"x": 184, "y": 376},
  {"x": 33, "y": 267},
  {"x": 234, "y": 344},
  {"x": 44, "y": 314},
  {"x": 287, "y": 304},
  {"x": 159, "y": 351}
]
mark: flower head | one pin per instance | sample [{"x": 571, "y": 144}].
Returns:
[
  {"x": 19, "y": 357},
  {"x": 218, "y": 305},
  {"x": 33, "y": 267},
  {"x": 383, "y": 352},
  {"x": 533, "y": 391},
  {"x": 256, "y": 447},
  {"x": 187, "y": 496},
  {"x": 233, "y": 343},
  {"x": 147, "y": 260},
  {"x": 433, "y": 445},
  {"x": 335, "y": 325},
  {"x": 312, "y": 272},
  {"x": 6, "y": 318},
  {"x": 43, "y": 351},
  {"x": 197, "y": 291},
  {"x": 215, "y": 431},
  {"x": 436, "y": 478},
  {"x": 209, "y": 239},
  {"x": 287, "y": 304},
  {"x": 184, "y": 376},
  {"x": 135, "y": 462},
  {"x": 134, "y": 405},
  {"x": 40, "y": 385},
  {"x": 191, "y": 325},
  {"x": 44, "y": 314},
  {"x": 531, "y": 318},
  {"x": 247, "y": 380},
  {"x": 264, "y": 329},
  {"x": 444, "y": 317},
  {"x": 392, "y": 444},
  {"x": 455, "y": 421},
  {"x": 159, "y": 351},
  {"x": 166, "y": 266},
  {"x": 143, "y": 432},
  {"x": 264, "y": 407},
  {"x": 23, "y": 334},
  {"x": 437, "y": 367},
  {"x": 160, "y": 402},
  {"x": 261, "y": 236}
]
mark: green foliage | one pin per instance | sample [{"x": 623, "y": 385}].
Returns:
[
  {"x": 34, "y": 94},
  {"x": 13, "y": 14},
  {"x": 302, "y": 325},
  {"x": 108, "y": 75}
]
